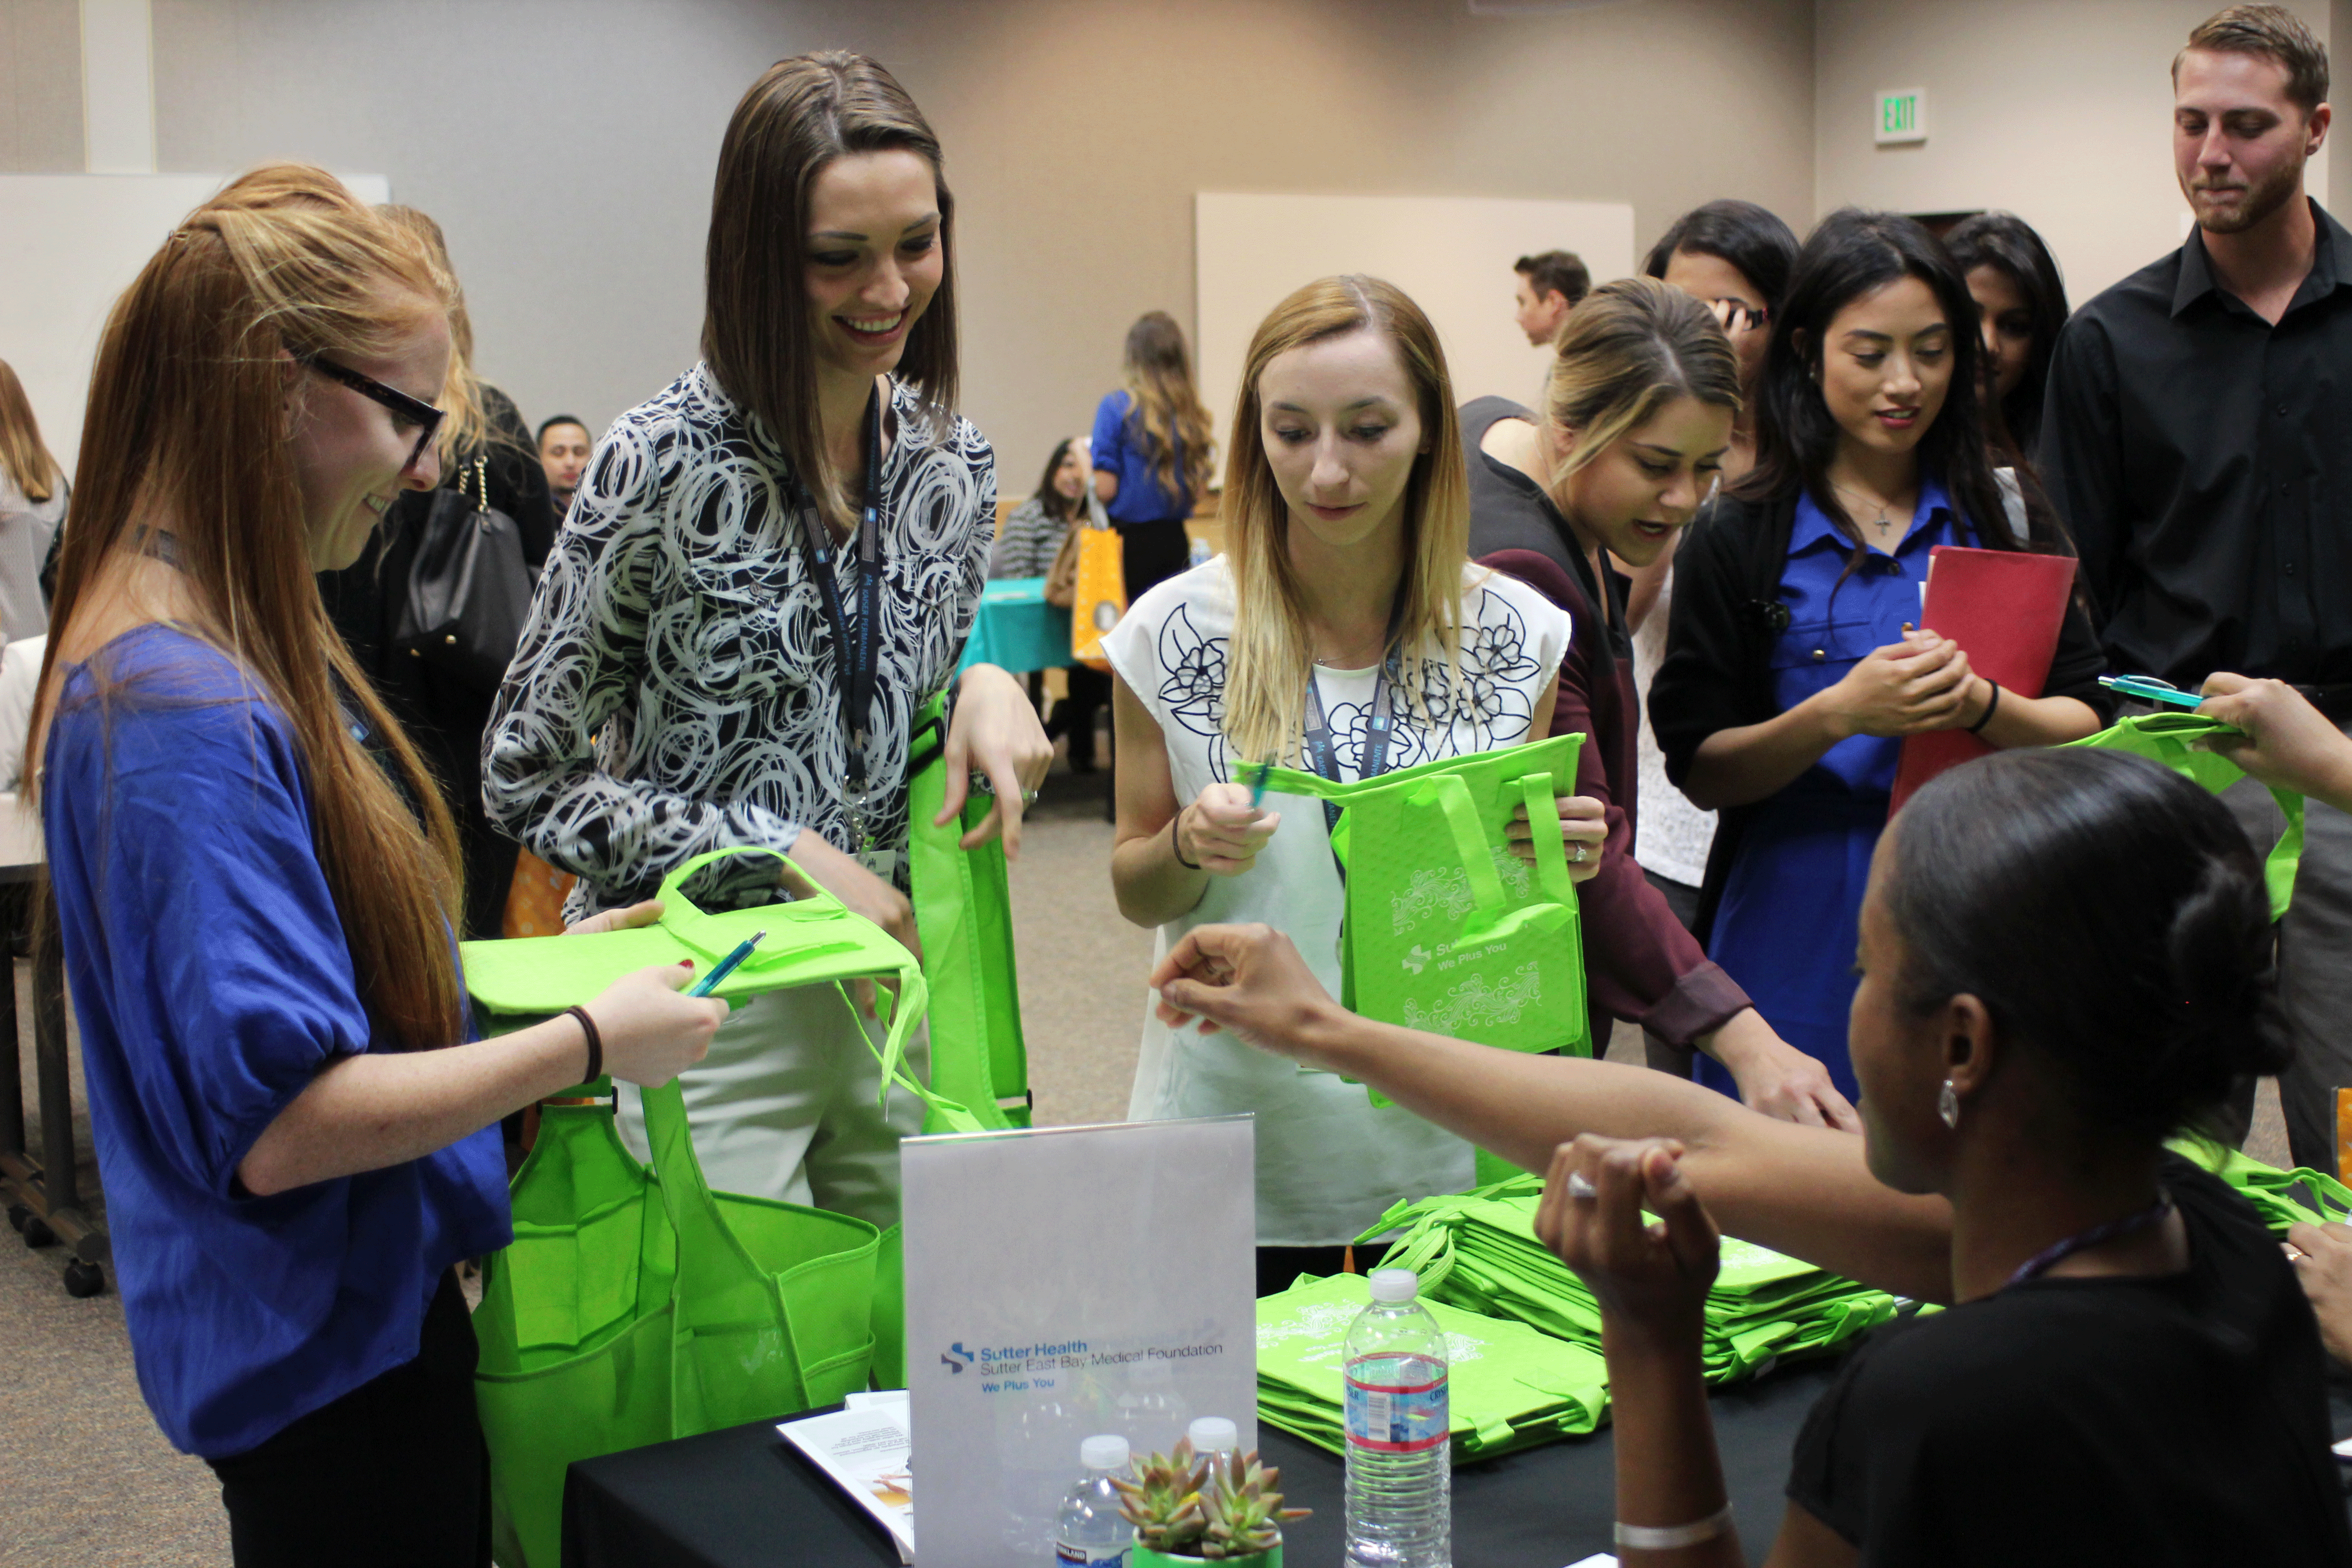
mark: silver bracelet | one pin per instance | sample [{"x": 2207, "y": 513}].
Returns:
[{"x": 1667, "y": 1537}]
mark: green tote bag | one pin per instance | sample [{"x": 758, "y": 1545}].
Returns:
[
  {"x": 2166, "y": 738},
  {"x": 964, "y": 914},
  {"x": 635, "y": 1305},
  {"x": 1445, "y": 930}
]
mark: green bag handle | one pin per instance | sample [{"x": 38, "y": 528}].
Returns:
[
  {"x": 1450, "y": 797},
  {"x": 901, "y": 1013},
  {"x": 1551, "y": 851},
  {"x": 2168, "y": 737},
  {"x": 720, "y": 1289},
  {"x": 963, "y": 1065}
]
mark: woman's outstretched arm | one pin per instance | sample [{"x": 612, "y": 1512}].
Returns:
[{"x": 1804, "y": 1191}]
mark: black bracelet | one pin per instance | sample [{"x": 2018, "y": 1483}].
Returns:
[
  {"x": 595, "y": 1043},
  {"x": 1176, "y": 841},
  {"x": 1992, "y": 706}
]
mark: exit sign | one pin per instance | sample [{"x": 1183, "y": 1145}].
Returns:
[{"x": 1902, "y": 116}]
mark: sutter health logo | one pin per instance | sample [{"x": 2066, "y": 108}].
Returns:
[{"x": 957, "y": 1358}]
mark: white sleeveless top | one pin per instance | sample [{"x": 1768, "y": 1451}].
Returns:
[
  {"x": 1328, "y": 1162},
  {"x": 1671, "y": 836}
]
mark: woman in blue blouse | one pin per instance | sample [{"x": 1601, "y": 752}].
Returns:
[
  {"x": 1153, "y": 453},
  {"x": 1795, "y": 665},
  {"x": 256, "y": 882}
]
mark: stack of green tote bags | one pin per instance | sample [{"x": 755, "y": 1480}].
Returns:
[
  {"x": 1478, "y": 1251},
  {"x": 1508, "y": 1386}
]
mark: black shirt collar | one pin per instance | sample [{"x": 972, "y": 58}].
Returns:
[{"x": 2197, "y": 281}]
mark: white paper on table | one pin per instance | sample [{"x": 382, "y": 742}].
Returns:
[
  {"x": 1597, "y": 1560},
  {"x": 1063, "y": 1283},
  {"x": 867, "y": 1398},
  {"x": 866, "y": 1452}
]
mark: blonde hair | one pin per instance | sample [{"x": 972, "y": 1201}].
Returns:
[
  {"x": 465, "y": 423},
  {"x": 23, "y": 457},
  {"x": 1630, "y": 347},
  {"x": 1269, "y": 659},
  {"x": 1167, "y": 406},
  {"x": 187, "y": 424}
]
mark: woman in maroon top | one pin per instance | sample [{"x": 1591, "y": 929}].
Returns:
[{"x": 1638, "y": 415}]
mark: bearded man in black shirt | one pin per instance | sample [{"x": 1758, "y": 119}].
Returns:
[{"x": 2198, "y": 440}]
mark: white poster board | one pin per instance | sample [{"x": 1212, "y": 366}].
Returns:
[
  {"x": 1063, "y": 1283},
  {"x": 1452, "y": 254},
  {"x": 74, "y": 243}
]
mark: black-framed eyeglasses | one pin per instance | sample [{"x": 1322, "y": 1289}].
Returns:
[{"x": 423, "y": 415}]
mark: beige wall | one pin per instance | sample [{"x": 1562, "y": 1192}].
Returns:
[
  {"x": 567, "y": 145},
  {"x": 2058, "y": 110}
]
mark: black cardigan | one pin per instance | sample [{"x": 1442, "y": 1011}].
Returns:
[{"x": 1718, "y": 672}]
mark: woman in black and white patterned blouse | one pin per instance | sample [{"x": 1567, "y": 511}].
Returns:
[{"x": 680, "y": 687}]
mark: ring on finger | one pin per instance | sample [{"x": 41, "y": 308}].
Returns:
[{"x": 1579, "y": 1186}]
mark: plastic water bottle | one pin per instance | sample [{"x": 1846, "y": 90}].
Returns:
[
  {"x": 1215, "y": 1438},
  {"x": 1400, "y": 1489},
  {"x": 1092, "y": 1530},
  {"x": 1150, "y": 1413}
]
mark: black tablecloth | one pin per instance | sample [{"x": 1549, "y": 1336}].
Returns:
[{"x": 746, "y": 1498}]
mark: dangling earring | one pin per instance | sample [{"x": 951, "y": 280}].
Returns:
[{"x": 1948, "y": 1105}]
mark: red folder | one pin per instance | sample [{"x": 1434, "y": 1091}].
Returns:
[{"x": 2004, "y": 608}]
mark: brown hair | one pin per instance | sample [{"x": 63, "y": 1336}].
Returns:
[
  {"x": 2275, "y": 32},
  {"x": 1166, "y": 407},
  {"x": 465, "y": 423},
  {"x": 187, "y": 423},
  {"x": 1632, "y": 345},
  {"x": 1269, "y": 658},
  {"x": 758, "y": 331},
  {"x": 1561, "y": 272},
  {"x": 24, "y": 457}
]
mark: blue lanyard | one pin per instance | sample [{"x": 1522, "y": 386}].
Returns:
[
  {"x": 854, "y": 646},
  {"x": 1323, "y": 752}
]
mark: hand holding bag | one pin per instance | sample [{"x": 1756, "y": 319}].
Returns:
[
  {"x": 1447, "y": 929},
  {"x": 469, "y": 592},
  {"x": 2172, "y": 739}
]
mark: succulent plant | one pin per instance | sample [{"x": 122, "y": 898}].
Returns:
[
  {"x": 1176, "y": 1511},
  {"x": 1245, "y": 1513},
  {"x": 1163, "y": 1501}
]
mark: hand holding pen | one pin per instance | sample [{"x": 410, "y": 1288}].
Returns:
[{"x": 1223, "y": 829}]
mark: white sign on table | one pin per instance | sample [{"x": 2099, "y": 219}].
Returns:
[{"x": 1063, "y": 1283}]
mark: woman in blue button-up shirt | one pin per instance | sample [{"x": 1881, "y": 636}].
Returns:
[{"x": 1796, "y": 666}]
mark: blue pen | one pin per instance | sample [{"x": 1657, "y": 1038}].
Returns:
[
  {"x": 1257, "y": 790},
  {"x": 2148, "y": 688},
  {"x": 726, "y": 967}
]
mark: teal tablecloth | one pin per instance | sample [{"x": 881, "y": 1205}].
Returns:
[{"x": 1016, "y": 629}]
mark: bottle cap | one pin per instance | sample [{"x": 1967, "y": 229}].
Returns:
[
  {"x": 1394, "y": 1285},
  {"x": 1107, "y": 1452},
  {"x": 1213, "y": 1435}
]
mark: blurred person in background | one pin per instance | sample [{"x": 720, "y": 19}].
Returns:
[
  {"x": 2015, "y": 282},
  {"x": 1548, "y": 288},
  {"x": 33, "y": 492},
  {"x": 1029, "y": 544},
  {"x": 486, "y": 451},
  {"x": 563, "y": 447},
  {"x": 1153, "y": 453}
]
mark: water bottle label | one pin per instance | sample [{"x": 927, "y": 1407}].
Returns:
[
  {"x": 1097, "y": 1556},
  {"x": 1396, "y": 1419}
]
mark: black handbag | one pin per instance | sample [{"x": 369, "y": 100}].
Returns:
[{"x": 468, "y": 591}]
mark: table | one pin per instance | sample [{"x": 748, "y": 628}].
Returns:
[
  {"x": 43, "y": 1195},
  {"x": 1016, "y": 629},
  {"x": 744, "y": 1498}
]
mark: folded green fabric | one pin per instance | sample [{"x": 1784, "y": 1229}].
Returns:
[
  {"x": 1507, "y": 1386},
  {"x": 2282, "y": 1198},
  {"x": 1478, "y": 1251}
]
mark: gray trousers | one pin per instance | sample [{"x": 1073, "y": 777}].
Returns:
[{"x": 2314, "y": 967}]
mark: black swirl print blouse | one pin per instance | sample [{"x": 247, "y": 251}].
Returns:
[{"x": 675, "y": 691}]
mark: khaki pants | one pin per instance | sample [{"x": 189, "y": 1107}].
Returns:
[{"x": 785, "y": 1106}]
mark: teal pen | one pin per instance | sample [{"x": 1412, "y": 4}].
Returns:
[
  {"x": 726, "y": 967},
  {"x": 1257, "y": 790}
]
